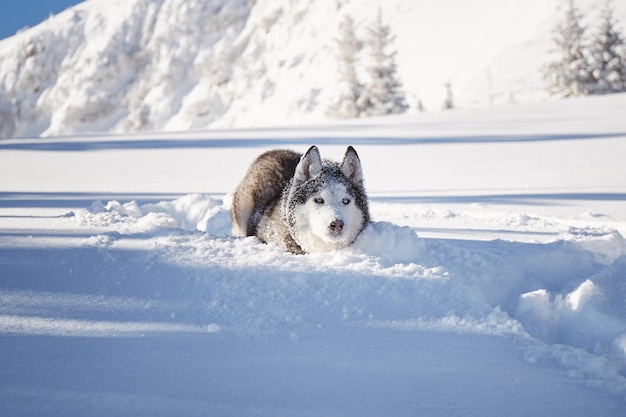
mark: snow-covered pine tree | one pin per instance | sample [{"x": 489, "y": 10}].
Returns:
[
  {"x": 418, "y": 105},
  {"x": 569, "y": 75},
  {"x": 382, "y": 94},
  {"x": 607, "y": 55},
  {"x": 448, "y": 102},
  {"x": 349, "y": 88}
]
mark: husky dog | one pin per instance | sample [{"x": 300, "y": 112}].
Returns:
[{"x": 301, "y": 203}]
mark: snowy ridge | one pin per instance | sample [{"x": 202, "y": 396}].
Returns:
[{"x": 124, "y": 66}]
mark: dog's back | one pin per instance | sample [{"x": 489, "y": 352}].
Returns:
[{"x": 261, "y": 189}]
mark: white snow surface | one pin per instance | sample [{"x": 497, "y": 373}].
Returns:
[
  {"x": 169, "y": 65},
  {"x": 491, "y": 281}
]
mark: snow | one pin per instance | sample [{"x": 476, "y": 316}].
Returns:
[
  {"x": 151, "y": 65},
  {"x": 491, "y": 281}
]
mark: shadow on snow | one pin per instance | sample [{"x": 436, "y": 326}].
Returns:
[
  {"x": 96, "y": 143},
  {"x": 85, "y": 199}
]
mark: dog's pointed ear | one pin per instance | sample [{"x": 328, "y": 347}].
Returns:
[
  {"x": 309, "y": 166},
  {"x": 351, "y": 166}
]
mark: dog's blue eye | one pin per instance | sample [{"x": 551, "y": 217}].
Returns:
[
  {"x": 345, "y": 201},
  {"x": 319, "y": 200}
]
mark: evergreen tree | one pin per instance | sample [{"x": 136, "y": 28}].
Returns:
[
  {"x": 569, "y": 75},
  {"x": 383, "y": 92},
  {"x": 448, "y": 103},
  {"x": 608, "y": 56},
  {"x": 349, "y": 87},
  {"x": 419, "y": 106}
]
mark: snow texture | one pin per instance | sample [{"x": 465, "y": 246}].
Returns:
[{"x": 490, "y": 282}]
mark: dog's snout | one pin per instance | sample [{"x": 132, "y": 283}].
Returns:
[{"x": 336, "y": 225}]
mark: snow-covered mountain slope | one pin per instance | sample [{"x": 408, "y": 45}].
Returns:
[
  {"x": 131, "y": 65},
  {"x": 491, "y": 281}
]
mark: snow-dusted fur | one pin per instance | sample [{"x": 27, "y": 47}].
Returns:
[{"x": 301, "y": 203}]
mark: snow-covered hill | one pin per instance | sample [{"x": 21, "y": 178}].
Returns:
[
  {"x": 132, "y": 65},
  {"x": 491, "y": 282}
]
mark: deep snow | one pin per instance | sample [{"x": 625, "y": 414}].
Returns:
[{"x": 491, "y": 282}]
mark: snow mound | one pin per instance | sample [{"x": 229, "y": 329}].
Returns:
[
  {"x": 590, "y": 316},
  {"x": 191, "y": 212},
  {"x": 390, "y": 242}
]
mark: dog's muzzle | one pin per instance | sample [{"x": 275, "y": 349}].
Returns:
[{"x": 336, "y": 227}]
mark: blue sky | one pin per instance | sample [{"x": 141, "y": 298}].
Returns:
[{"x": 15, "y": 14}]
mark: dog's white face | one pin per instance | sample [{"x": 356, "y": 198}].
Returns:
[{"x": 328, "y": 220}]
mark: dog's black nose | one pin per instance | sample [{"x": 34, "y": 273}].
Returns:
[{"x": 336, "y": 226}]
